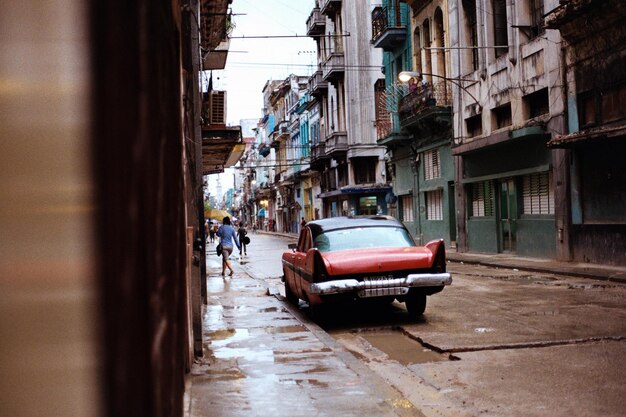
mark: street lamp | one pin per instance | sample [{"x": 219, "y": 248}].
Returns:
[{"x": 405, "y": 76}]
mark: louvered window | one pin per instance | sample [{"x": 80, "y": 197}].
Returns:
[
  {"x": 482, "y": 199},
  {"x": 432, "y": 166},
  {"x": 434, "y": 205},
  {"x": 406, "y": 207},
  {"x": 538, "y": 194}
]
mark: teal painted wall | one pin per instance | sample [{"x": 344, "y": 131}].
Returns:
[
  {"x": 437, "y": 229},
  {"x": 536, "y": 237},
  {"x": 482, "y": 234}
]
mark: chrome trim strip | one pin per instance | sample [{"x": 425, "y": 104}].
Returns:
[{"x": 411, "y": 281}]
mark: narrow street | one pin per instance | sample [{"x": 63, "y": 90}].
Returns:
[{"x": 497, "y": 342}]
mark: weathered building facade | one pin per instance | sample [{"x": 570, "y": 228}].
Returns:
[
  {"x": 351, "y": 164},
  {"x": 508, "y": 103},
  {"x": 593, "y": 228}
]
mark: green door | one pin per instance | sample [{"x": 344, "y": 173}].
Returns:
[{"x": 508, "y": 215}]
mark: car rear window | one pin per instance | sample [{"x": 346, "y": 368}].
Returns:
[{"x": 362, "y": 237}]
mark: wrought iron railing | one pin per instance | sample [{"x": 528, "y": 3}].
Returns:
[
  {"x": 388, "y": 17},
  {"x": 424, "y": 95}
]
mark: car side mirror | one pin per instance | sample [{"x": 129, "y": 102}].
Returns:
[{"x": 292, "y": 246}]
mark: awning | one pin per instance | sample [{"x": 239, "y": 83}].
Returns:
[
  {"x": 218, "y": 147},
  {"x": 358, "y": 189},
  {"x": 600, "y": 133},
  {"x": 261, "y": 213}
]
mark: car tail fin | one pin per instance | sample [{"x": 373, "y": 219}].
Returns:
[{"x": 438, "y": 248}]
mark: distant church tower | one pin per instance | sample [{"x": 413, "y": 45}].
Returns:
[{"x": 219, "y": 197}]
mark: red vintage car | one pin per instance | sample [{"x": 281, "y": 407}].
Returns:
[{"x": 342, "y": 259}]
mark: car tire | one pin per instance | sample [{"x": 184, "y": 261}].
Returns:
[
  {"x": 416, "y": 305},
  {"x": 318, "y": 313},
  {"x": 290, "y": 295}
]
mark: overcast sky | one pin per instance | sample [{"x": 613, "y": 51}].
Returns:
[{"x": 251, "y": 62}]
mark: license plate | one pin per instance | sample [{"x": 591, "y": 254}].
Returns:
[{"x": 381, "y": 292}]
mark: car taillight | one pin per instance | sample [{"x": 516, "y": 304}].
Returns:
[
  {"x": 439, "y": 264},
  {"x": 320, "y": 274}
]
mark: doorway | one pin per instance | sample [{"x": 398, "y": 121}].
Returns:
[{"x": 508, "y": 215}]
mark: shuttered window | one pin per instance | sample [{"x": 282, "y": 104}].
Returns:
[
  {"x": 538, "y": 194},
  {"x": 434, "y": 205},
  {"x": 406, "y": 207},
  {"x": 482, "y": 199},
  {"x": 432, "y": 166}
]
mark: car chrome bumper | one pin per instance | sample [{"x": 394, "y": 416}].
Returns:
[{"x": 401, "y": 285}]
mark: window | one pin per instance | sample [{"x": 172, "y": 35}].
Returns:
[
  {"x": 500, "y": 27},
  {"x": 406, "y": 208},
  {"x": 434, "y": 204},
  {"x": 469, "y": 9},
  {"x": 612, "y": 104},
  {"x": 474, "y": 126},
  {"x": 536, "y": 104},
  {"x": 365, "y": 170},
  {"x": 482, "y": 199},
  {"x": 432, "y": 167},
  {"x": 536, "y": 17},
  {"x": 538, "y": 194},
  {"x": 501, "y": 116},
  {"x": 368, "y": 205}
]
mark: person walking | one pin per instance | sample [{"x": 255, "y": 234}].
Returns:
[
  {"x": 227, "y": 235},
  {"x": 241, "y": 234},
  {"x": 212, "y": 233}
]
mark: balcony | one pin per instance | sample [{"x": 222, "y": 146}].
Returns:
[
  {"x": 389, "y": 27},
  {"x": 336, "y": 143},
  {"x": 317, "y": 86},
  {"x": 318, "y": 153},
  {"x": 333, "y": 68},
  {"x": 330, "y": 7},
  {"x": 316, "y": 23},
  {"x": 426, "y": 106},
  {"x": 417, "y": 5},
  {"x": 389, "y": 132}
]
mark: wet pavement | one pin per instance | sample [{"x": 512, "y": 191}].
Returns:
[
  {"x": 262, "y": 358},
  {"x": 508, "y": 338}
]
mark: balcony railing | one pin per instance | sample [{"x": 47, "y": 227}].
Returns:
[
  {"x": 317, "y": 86},
  {"x": 315, "y": 23},
  {"x": 333, "y": 67},
  {"x": 389, "y": 27},
  {"x": 420, "y": 97},
  {"x": 336, "y": 142},
  {"x": 318, "y": 151}
]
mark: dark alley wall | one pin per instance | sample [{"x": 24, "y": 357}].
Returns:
[{"x": 141, "y": 242}]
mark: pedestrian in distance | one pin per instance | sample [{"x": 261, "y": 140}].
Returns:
[
  {"x": 241, "y": 234},
  {"x": 302, "y": 223},
  {"x": 211, "y": 233},
  {"x": 227, "y": 235}
]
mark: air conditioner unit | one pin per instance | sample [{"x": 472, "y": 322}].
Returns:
[{"x": 217, "y": 107}]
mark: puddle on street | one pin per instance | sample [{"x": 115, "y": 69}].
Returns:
[
  {"x": 286, "y": 329},
  {"x": 401, "y": 348}
]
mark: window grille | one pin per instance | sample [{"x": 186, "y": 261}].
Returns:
[
  {"x": 538, "y": 194},
  {"x": 432, "y": 166},
  {"x": 434, "y": 205},
  {"x": 406, "y": 207},
  {"x": 482, "y": 199}
]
